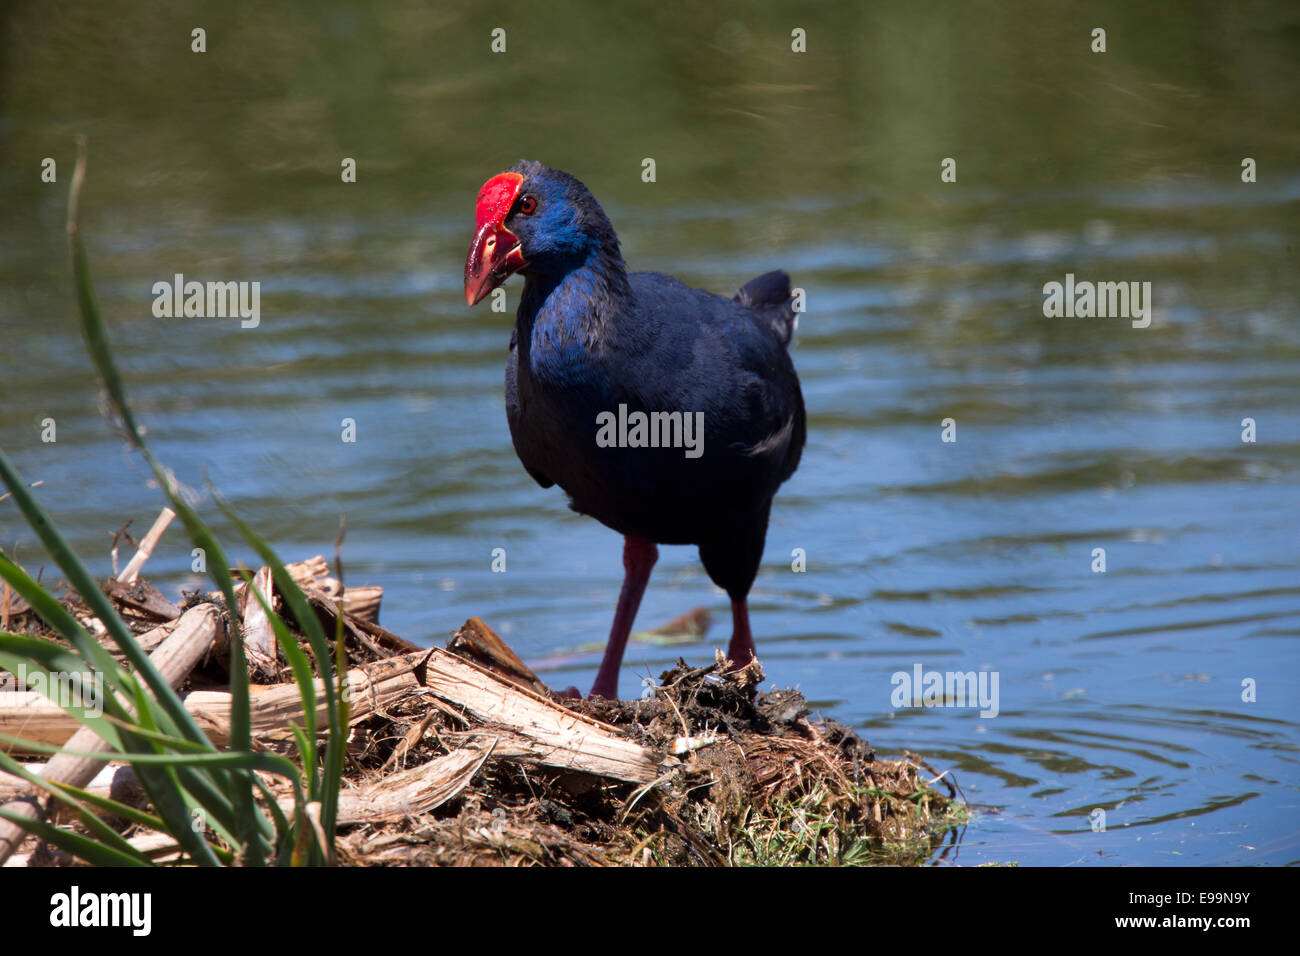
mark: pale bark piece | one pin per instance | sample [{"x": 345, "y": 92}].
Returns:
[
  {"x": 412, "y": 791},
  {"x": 306, "y": 572},
  {"x": 259, "y": 639},
  {"x": 557, "y": 737},
  {"x": 363, "y": 602}
]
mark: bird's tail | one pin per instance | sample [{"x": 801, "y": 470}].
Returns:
[{"x": 769, "y": 298}]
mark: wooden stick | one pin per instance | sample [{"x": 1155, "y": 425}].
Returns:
[
  {"x": 159, "y": 847},
  {"x": 35, "y": 717},
  {"x": 34, "y": 484},
  {"x": 174, "y": 658},
  {"x": 117, "y": 781},
  {"x": 557, "y": 736},
  {"x": 533, "y": 728},
  {"x": 132, "y": 570},
  {"x": 408, "y": 792}
]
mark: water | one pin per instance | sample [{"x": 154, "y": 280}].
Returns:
[{"x": 1119, "y": 691}]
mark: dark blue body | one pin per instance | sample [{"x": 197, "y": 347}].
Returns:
[{"x": 590, "y": 337}]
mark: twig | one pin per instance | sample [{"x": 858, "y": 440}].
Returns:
[
  {"x": 34, "y": 484},
  {"x": 686, "y": 730},
  {"x": 118, "y": 535},
  {"x": 410, "y": 740},
  {"x": 147, "y": 544}
]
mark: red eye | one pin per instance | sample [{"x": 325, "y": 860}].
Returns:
[{"x": 527, "y": 205}]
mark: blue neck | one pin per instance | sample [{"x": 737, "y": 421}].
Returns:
[{"x": 563, "y": 315}]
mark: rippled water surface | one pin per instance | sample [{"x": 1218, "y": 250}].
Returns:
[{"x": 1120, "y": 691}]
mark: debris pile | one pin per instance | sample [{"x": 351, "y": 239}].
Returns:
[{"x": 462, "y": 755}]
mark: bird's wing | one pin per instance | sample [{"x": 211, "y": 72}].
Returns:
[
  {"x": 520, "y": 434},
  {"x": 684, "y": 349}
]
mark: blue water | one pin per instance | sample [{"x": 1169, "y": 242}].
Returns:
[{"x": 1120, "y": 691}]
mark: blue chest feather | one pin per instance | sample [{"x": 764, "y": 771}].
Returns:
[{"x": 563, "y": 328}]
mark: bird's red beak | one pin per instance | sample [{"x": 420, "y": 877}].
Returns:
[{"x": 495, "y": 253}]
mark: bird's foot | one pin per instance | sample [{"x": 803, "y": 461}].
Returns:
[
  {"x": 740, "y": 657},
  {"x": 741, "y": 650}
]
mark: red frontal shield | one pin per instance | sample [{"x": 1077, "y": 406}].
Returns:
[{"x": 495, "y": 253}]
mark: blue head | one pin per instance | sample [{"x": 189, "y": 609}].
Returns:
[{"x": 539, "y": 221}]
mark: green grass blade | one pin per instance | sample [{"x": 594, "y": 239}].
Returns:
[
  {"x": 159, "y": 737},
  {"x": 49, "y": 610},
  {"x": 311, "y": 627},
  {"x": 137, "y": 816},
  {"x": 162, "y": 788},
  {"x": 105, "y": 834},
  {"x": 283, "y": 828},
  {"x": 96, "y": 600},
  {"x": 17, "y": 657},
  {"x": 302, "y": 676},
  {"x": 265, "y": 762},
  {"x": 118, "y": 809},
  {"x": 91, "y": 851}
]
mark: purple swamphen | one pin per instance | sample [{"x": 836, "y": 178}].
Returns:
[{"x": 669, "y": 414}]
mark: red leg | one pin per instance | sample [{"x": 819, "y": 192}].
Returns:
[
  {"x": 742, "y": 650},
  {"x": 639, "y": 556}
]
